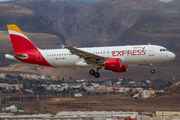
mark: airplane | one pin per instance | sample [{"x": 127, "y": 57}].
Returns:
[{"x": 114, "y": 58}]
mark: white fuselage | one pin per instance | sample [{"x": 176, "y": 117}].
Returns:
[{"x": 130, "y": 55}]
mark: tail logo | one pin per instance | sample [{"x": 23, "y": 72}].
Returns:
[{"x": 23, "y": 46}]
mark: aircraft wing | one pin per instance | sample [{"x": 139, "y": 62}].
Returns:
[
  {"x": 15, "y": 54},
  {"x": 88, "y": 57}
]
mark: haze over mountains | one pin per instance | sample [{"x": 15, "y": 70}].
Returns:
[{"x": 112, "y": 22}]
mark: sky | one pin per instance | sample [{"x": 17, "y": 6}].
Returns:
[
  {"x": 166, "y": 0},
  {"x": 5, "y": 0},
  {"x": 89, "y": 0}
]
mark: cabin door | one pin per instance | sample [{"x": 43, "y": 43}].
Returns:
[{"x": 151, "y": 50}]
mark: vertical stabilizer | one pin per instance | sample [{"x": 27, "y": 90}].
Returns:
[{"x": 19, "y": 40}]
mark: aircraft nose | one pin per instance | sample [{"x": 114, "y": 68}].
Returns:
[{"x": 172, "y": 56}]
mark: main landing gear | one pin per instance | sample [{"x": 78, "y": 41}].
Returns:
[
  {"x": 152, "y": 70},
  {"x": 96, "y": 74}
]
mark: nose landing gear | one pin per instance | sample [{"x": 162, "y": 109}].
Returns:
[{"x": 152, "y": 70}]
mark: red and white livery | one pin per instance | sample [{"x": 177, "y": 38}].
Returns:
[{"x": 115, "y": 58}]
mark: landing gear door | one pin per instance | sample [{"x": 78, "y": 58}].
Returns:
[{"x": 151, "y": 50}]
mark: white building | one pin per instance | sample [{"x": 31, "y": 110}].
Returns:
[
  {"x": 53, "y": 87},
  {"x": 3, "y": 85},
  {"x": 11, "y": 108},
  {"x": 95, "y": 115}
]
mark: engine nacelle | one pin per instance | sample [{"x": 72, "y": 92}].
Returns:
[
  {"x": 113, "y": 63},
  {"x": 123, "y": 68}
]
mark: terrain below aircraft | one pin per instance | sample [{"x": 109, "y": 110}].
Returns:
[{"x": 115, "y": 58}]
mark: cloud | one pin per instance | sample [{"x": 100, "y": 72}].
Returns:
[{"x": 166, "y": 1}]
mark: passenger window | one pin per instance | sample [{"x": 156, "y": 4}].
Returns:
[{"x": 161, "y": 50}]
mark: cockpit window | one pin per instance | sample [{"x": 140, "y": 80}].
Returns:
[{"x": 163, "y": 50}]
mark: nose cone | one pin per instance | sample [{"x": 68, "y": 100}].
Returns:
[{"x": 172, "y": 56}]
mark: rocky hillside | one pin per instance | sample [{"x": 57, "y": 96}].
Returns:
[
  {"x": 31, "y": 23},
  {"x": 113, "y": 22}
]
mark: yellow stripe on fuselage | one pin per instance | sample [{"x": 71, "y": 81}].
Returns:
[{"x": 14, "y": 28}]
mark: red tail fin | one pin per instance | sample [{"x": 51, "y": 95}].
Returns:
[{"x": 19, "y": 40}]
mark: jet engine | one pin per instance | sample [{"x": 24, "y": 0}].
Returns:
[
  {"x": 123, "y": 68},
  {"x": 115, "y": 64}
]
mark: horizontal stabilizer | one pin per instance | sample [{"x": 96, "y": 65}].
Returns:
[{"x": 15, "y": 55}]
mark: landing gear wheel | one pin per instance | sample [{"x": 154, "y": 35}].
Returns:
[
  {"x": 96, "y": 75},
  {"x": 152, "y": 71},
  {"x": 91, "y": 72}
]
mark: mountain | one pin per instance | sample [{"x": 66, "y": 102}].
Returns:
[
  {"x": 112, "y": 22},
  {"x": 31, "y": 23}
]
